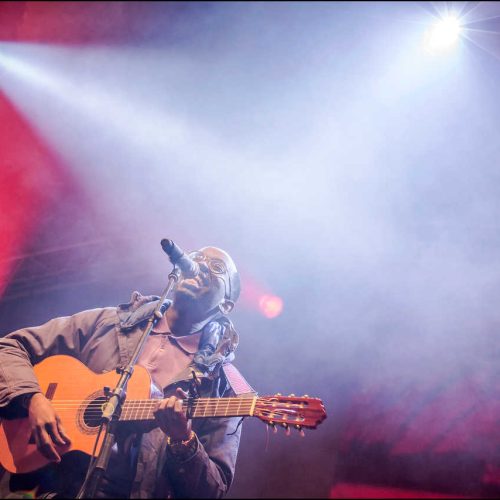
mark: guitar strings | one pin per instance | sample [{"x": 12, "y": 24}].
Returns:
[
  {"x": 212, "y": 407},
  {"x": 132, "y": 404},
  {"x": 138, "y": 413},
  {"x": 148, "y": 405},
  {"x": 297, "y": 419},
  {"x": 195, "y": 402},
  {"x": 201, "y": 400},
  {"x": 142, "y": 408},
  {"x": 136, "y": 404}
]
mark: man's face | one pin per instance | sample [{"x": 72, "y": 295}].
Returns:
[{"x": 199, "y": 296}]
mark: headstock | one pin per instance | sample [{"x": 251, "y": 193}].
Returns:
[{"x": 290, "y": 411}]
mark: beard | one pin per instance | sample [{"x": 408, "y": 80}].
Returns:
[
  {"x": 200, "y": 297},
  {"x": 185, "y": 296},
  {"x": 195, "y": 301}
]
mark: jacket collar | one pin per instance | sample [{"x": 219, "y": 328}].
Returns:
[{"x": 139, "y": 308}]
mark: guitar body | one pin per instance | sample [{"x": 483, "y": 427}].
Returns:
[{"x": 76, "y": 393}]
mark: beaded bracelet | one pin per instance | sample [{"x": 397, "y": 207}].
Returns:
[
  {"x": 184, "y": 442},
  {"x": 185, "y": 449}
]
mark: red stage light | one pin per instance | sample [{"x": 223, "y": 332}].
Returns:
[{"x": 270, "y": 306}]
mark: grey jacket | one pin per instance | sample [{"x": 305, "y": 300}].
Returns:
[{"x": 104, "y": 339}]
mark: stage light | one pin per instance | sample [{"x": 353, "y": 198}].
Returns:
[
  {"x": 444, "y": 34},
  {"x": 270, "y": 306}
]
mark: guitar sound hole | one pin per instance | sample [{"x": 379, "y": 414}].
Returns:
[{"x": 93, "y": 412}]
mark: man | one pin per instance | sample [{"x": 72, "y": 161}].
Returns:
[{"x": 179, "y": 458}]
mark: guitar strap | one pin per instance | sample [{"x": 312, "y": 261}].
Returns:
[{"x": 236, "y": 380}]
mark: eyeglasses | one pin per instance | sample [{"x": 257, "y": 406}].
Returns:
[{"x": 217, "y": 267}]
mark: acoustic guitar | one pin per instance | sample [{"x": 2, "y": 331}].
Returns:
[{"x": 78, "y": 395}]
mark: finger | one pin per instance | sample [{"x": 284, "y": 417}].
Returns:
[
  {"x": 178, "y": 407},
  {"x": 168, "y": 411},
  {"x": 160, "y": 406},
  {"x": 63, "y": 433},
  {"x": 181, "y": 394},
  {"x": 171, "y": 403},
  {"x": 159, "y": 413},
  {"x": 53, "y": 432},
  {"x": 45, "y": 445}
]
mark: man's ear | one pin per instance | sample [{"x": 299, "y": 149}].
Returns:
[{"x": 226, "y": 307}]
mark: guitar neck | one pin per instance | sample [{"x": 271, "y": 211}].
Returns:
[{"x": 143, "y": 409}]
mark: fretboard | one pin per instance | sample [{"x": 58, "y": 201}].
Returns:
[{"x": 143, "y": 409}]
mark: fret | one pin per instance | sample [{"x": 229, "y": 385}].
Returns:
[
  {"x": 151, "y": 415},
  {"x": 127, "y": 411},
  {"x": 252, "y": 408},
  {"x": 148, "y": 410},
  {"x": 195, "y": 407},
  {"x": 199, "y": 405},
  {"x": 123, "y": 415},
  {"x": 148, "y": 413}
]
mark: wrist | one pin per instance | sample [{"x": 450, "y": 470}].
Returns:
[
  {"x": 25, "y": 399},
  {"x": 171, "y": 441},
  {"x": 184, "y": 448}
]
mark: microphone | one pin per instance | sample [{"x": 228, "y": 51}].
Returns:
[{"x": 179, "y": 258}]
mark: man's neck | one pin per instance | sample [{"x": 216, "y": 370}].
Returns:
[{"x": 182, "y": 324}]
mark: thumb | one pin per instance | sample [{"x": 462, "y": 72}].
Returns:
[{"x": 181, "y": 394}]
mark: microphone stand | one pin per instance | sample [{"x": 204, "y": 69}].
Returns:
[{"x": 111, "y": 411}]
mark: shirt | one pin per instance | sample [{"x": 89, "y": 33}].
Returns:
[{"x": 165, "y": 355}]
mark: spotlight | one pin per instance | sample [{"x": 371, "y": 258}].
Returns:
[
  {"x": 270, "y": 306},
  {"x": 443, "y": 35}
]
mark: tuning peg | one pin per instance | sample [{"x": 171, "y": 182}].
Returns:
[
  {"x": 287, "y": 429},
  {"x": 305, "y": 396},
  {"x": 278, "y": 394},
  {"x": 291, "y": 395},
  {"x": 301, "y": 431},
  {"x": 273, "y": 425}
]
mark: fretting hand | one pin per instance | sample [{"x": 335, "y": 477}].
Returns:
[{"x": 171, "y": 416}]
